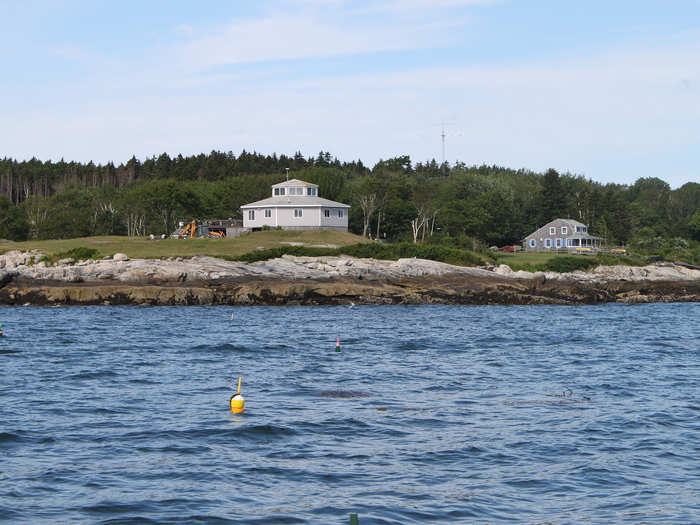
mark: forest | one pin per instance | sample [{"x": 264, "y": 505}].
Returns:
[{"x": 472, "y": 207}]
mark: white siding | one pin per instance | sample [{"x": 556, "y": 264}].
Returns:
[{"x": 334, "y": 221}]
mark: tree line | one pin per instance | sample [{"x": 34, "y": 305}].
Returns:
[{"x": 397, "y": 200}]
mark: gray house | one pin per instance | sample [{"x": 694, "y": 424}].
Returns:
[
  {"x": 295, "y": 205},
  {"x": 562, "y": 234}
]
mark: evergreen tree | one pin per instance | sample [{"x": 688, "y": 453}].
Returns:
[
  {"x": 552, "y": 198},
  {"x": 13, "y": 224}
]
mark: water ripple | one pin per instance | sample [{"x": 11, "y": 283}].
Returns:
[{"x": 429, "y": 414}]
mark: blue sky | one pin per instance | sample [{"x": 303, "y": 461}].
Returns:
[{"x": 607, "y": 90}]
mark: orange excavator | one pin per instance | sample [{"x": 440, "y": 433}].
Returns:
[{"x": 187, "y": 230}]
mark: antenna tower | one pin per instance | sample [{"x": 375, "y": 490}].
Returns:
[{"x": 442, "y": 136}]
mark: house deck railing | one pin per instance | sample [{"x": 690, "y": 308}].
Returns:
[{"x": 573, "y": 250}]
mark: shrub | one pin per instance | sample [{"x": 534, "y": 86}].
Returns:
[
  {"x": 568, "y": 264},
  {"x": 78, "y": 253},
  {"x": 625, "y": 260},
  {"x": 273, "y": 253},
  {"x": 373, "y": 250}
]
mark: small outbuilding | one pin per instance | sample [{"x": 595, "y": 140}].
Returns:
[
  {"x": 562, "y": 234},
  {"x": 295, "y": 205}
]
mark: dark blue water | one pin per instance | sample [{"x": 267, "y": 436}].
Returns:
[{"x": 427, "y": 415}]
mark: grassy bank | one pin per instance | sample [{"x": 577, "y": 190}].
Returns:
[
  {"x": 162, "y": 248},
  {"x": 264, "y": 245},
  {"x": 257, "y": 246},
  {"x": 538, "y": 261}
]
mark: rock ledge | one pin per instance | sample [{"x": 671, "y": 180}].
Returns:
[{"x": 26, "y": 278}]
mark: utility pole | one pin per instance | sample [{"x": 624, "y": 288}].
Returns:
[{"x": 442, "y": 136}]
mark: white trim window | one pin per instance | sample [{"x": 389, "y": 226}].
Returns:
[
  {"x": 557, "y": 243},
  {"x": 268, "y": 213},
  {"x": 533, "y": 243},
  {"x": 297, "y": 212},
  {"x": 326, "y": 212},
  {"x": 311, "y": 191},
  {"x": 564, "y": 230},
  {"x": 340, "y": 213},
  {"x": 251, "y": 215},
  {"x": 552, "y": 230},
  {"x": 548, "y": 243}
]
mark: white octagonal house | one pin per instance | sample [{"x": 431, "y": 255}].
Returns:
[{"x": 295, "y": 205}]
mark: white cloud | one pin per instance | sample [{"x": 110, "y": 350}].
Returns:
[
  {"x": 288, "y": 37},
  {"x": 634, "y": 107}
]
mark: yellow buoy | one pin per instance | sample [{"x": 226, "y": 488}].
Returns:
[{"x": 237, "y": 401}]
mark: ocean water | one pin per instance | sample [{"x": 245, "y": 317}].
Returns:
[{"x": 428, "y": 414}]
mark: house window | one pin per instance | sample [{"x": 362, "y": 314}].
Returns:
[
  {"x": 277, "y": 191},
  {"x": 297, "y": 212},
  {"x": 557, "y": 243},
  {"x": 268, "y": 213},
  {"x": 548, "y": 243},
  {"x": 340, "y": 213},
  {"x": 251, "y": 215},
  {"x": 533, "y": 243},
  {"x": 564, "y": 230},
  {"x": 552, "y": 230},
  {"x": 326, "y": 212},
  {"x": 311, "y": 191},
  {"x": 281, "y": 191}
]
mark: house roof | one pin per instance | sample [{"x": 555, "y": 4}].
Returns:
[
  {"x": 293, "y": 182},
  {"x": 294, "y": 201},
  {"x": 571, "y": 223}
]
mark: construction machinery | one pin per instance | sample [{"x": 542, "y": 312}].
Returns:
[
  {"x": 188, "y": 230},
  {"x": 211, "y": 229}
]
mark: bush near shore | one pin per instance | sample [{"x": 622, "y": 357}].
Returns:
[{"x": 384, "y": 251}]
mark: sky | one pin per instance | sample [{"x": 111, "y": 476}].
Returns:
[{"x": 606, "y": 90}]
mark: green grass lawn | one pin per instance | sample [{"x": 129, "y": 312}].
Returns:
[
  {"x": 531, "y": 258},
  {"x": 155, "y": 249},
  {"x": 532, "y": 261}
]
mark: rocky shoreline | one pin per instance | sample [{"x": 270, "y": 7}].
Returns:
[{"x": 26, "y": 278}]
